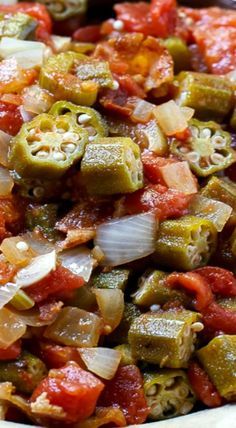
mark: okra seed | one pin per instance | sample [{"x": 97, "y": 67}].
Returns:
[
  {"x": 217, "y": 158},
  {"x": 183, "y": 149},
  {"x": 118, "y": 25},
  {"x": 115, "y": 85},
  {"x": 22, "y": 246},
  {"x": 91, "y": 138},
  {"x": 58, "y": 156},
  {"x": 42, "y": 154},
  {"x": 193, "y": 157},
  {"x": 38, "y": 191},
  {"x": 186, "y": 408},
  {"x": 197, "y": 326},
  {"x": 218, "y": 142},
  {"x": 194, "y": 131},
  {"x": 205, "y": 133},
  {"x": 84, "y": 118},
  {"x": 170, "y": 382},
  {"x": 152, "y": 390},
  {"x": 70, "y": 147},
  {"x": 154, "y": 308}
]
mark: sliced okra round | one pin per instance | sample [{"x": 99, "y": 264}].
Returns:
[{"x": 64, "y": 9}]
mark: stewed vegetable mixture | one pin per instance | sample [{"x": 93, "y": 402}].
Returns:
[{"x": 117, "y": 213}]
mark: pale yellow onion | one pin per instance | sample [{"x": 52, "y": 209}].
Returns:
[
  {"x": 16, "y": 251},
  {"x": 4, "y": 147},
  {"x": 6, "y": 182},
  {"x": 111, "y": 306},
  {"x": 60, "y": 43},
  {"x": 215, "y": 211},
  {"x": 36, "y": 100},
  {"x": 32, "y": 317},
  {"x": 170, "y": 118},
  {"x": 178, "y": 176},
  {"x": 38, "y": 243},
  {"x": 103, "y": 362},
  {"x": 142, "y": 112},
  {"x": 37, "y": 269},
  {"x": 27, "y": 53},
  {"x": 188, "y": 112},
  {"x": 12, "y": 328}
]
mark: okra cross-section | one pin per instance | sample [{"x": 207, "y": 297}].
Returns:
[
  {"x": 47, "y": 146},
  {"x": 185, "y": 243},
  {"x": 163, "y": 338},
  {"x": 65, "y": 9},
  {"x": 207, "y": 150},
  {"x": 168, "y": 393},
  {"x": 18, "y": 25},
  {"x": 219, "y": 360},
  {"x": 211, "y": 96},
  {"x": 112, "y": 165},
  {"x": 86, "y": 117}
]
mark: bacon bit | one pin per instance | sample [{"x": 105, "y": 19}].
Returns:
[{"x": 76, "y": 237}]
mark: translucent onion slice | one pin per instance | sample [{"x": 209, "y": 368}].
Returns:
[
  {"x": 171, "y": 118},
  {"x": 142, "y": 112},
  {"x": 6, "y": 182},
  {"x": 4, "y": 147},
  {"x": 36, "y": 100},
  {"x": 16, "y": 251},
  {"x": 37, "y": 269},
  {"x": 32, "y": 317},
  {"x": 12, "y": 328},
  {"x": 103, "y": 362},
  {"x": 79, "y": 261},
  {"x": 7, "y": 292},
  {"x": 215, "y": 211},
  {"x": 37, "y": 243},
  {"x": 127, "y": 239},
  {"x": 60, "y": 43},
  {"x": 26, "y": 115},
  {"x": 111, "y": 306},
  {"x": 188, "y": 112},
  {"x": 178, "y": 176},
  {"x": 27, "y": 53}
]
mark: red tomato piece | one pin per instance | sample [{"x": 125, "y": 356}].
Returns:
[
  {"x": 217, "y": 318},
  {"x": 59, "y": 280},
  {"x": 166, "y": 203},
  {"x": 126, "y": 391},
  {"x": 193, "y": 282},
  {"x": 7, "y": 272},
  {"x": 12, "y": 352},
  {"x": 164, "y": 16},
  {"x": 151, "y": 166},
  {"x": 11, "y": 216},
  {"x": 10, "y": 118},
  {"x": 56, "y": 356},
  {"x": 203, "y": 387},
  {"x": 136, "y": 17},
  {"x": 73, "y": 389},
  {"x": 221, "y": 281},
  {"x": 88, "y": 34}
]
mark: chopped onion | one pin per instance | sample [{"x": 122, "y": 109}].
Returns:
[
  {"x": 26, "y": 116},
  {"x": 111, "y": 305},
  {"x": 170, "y": 118},
  {"x": 27, "y": 53},
  {"x": 32, "y": 317},
  {"x": 127, "y": 239},
  {"x": 60, "y": 43},
  {"x": 6, "y": 182},
  {"x": 231, "y": 76},
  {"x": 79, "y": 261},
  {"x": 8, "y": 2},
  {"x": 188, "y": 112},
  {"x": 12, "y": 328},
  {"x": 215, "y": 211},
  {"x": 36, "y": 100},
  {"x": 16, "y": 251},
  {"x": 104, "y": 416},
  {"x": 178, "y": 176},
  {"x": 143, "y": 111},
  {"x": 103, "y": 362},
  {"x": 37, "y": 242},
  {"x": 4, "y": 147},
  {"x": 38, "y": 268},
  {"x": 7, "y": 393},
  {"x": 7, "y": 292}
]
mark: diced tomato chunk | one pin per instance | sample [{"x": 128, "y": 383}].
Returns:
[
  {"x": 73, "y": 389},
  {"x": 10, "y": 118},
  {"x": 221, "y": 281},
  {"x": 217, "y": 318},
  {"x": 88, "y": 34},
  {"x": 126, "y": 391},
  {"x": 202, "y": 386},
  {"x": 56, "y": 356},
  {"x": 152, "y": 165},
  {"x": 164, "y": 16},
  {"x": 59, "y": 280},
  {"x": 12, "y": 352}
]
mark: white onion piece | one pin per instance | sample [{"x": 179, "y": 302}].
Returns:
[
  {"x": 170, "y": 118},
  {"x": 26, "y": 116},
  {"x": 60, "y": 43},
  {"x": 32, "y": 318},
  {"x": 36, "y": 100},
  {"x": 215, "y": 211},
  {"x": 127, "y": 239},
  {"x": 12, "y": 328},
  {"x": 188, "y": 112},
  {"x": 7, "y": 292},
  {"x": 4, "y": 146},
  {"x": 37, "y": 242},
  {"x": 111, "y": 306},
  {"x": 79, "y": 261},
  {"x": 36, "y": 270},
  {"x": 8, "y": 2},
  {"x": 103, "y": 362},
  {"x": 6, "y": 182},
  {"x": 27, "y": 53},
  {"x": 142, "y": 112}
]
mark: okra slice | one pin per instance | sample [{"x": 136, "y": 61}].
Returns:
[
  {"x": 17, "y": 25},
  {"x": 168, "y": 394},
  {"x": 233, "y": 120},
  {"x": 228, "y": 303},
  {"x": 58, "y": 76},
  {"x": 185, "y": 243},
  {"x": 207, "y": 150},
  {"x": 64, "y": 9},
  {"x": 112, "y": 165},
  {"x": 180, "y": 53},
  {"x": 219, "y": 360},
  {"x": 211, "y": 96},
  {"x": 164, "y": 338},
  {"x": 25, "y": 372},
  {"x": 116, "y": 278},
  {"x": 86, "y": 117},
  {"x": 120, "y": 334},
  {"x": 152, "y": 290},
  {"x": 215, "y": 211},
  {"x": 126, "y": 354},
  {"x": 37, "y": 189},
  {"x": 47, "y": 146},
  {"x": 42, "y": 217}
]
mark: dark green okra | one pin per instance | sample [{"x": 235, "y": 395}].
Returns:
[
  {"x": 37, "y": 189},
  {"x": 120, "y": 334},
  {"x": 42, "y": 217},
  {"x": 126, "y": 354},
  {"x": 112, "y": 165},
  {"x": 180, "y": 53},
  {"x": 207, "y": 150},
  {"x": 25, "y": 372},
  {"x": 152, "y": 290},
  {"x": 228, "y": 303},
  {"x": 86, "y": 117},
  {"x": 168, "y": 394},
  {"x": 116, "y": 278},
  {"x": 164, "y": 338},
  {"x": 211, "y": 96},
  {"x": 185, "y": 243},
  {"x": 47, "y": 146},
  {"x": 219, "y": 360},
  {"x": 233, "y": 120},
  {"x": 64, "y": 9},
  {"x": 18, "y": 26}
]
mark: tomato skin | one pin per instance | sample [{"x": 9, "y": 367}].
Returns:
[
  {"x": 58, "y": 281},
  {"x": 126, "y": 391},
  {"x": 217, "y": 318},
  {"x": 221, "y": 281},
  {"x": 88, "y": 34},
  {"x": 10, "y": 118},
  {"x": 56, "y": 356},
  {"x": 164, "y": 16},
  {"x": 202, "y": 386},
  {"x": 73, "y": 389},
  {"x": 12, "y": 352},
  {"x": 151, "y": 167}
]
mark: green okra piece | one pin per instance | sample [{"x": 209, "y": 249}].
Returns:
[
  {"x": 47, "y": 146},
  {"x": 215, "y": 211},
  {"x": 116, "y": 278},
  {"x": 219, "y": 361},
  {"x": 83, "y": 298},
  {"x": 25, "y": 372},
  {"x": 21, "y": 301},
  {"x": 86, "y": 117},
  {"x": 163, "y": 338},
  {"x": 180, "y": 53},
  {"x": 185, "y": 243},
  {"x": 37, "y": 189},
  {"x": 112, "y": 165},
  {"x": 168, "y": 393},
  {"x": 153, "y": 290},
  {"x": 228, "y": 303},
  {"x": 210, "y": 96},
  {"x": 42, "y": 217},
  {"x": 233, "y": 120},
  {"x": 81, "y": 47},
  {"x": 207, "y": 150},
  {"x": 126, "y": 355},
  {"x": 58, "y": 76},
  {"x": 233, "y": 242},
  {"x": 120, "y": 334},
  {"x": 18, "y": 25},
  {"x": 64, "y": 9}
]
